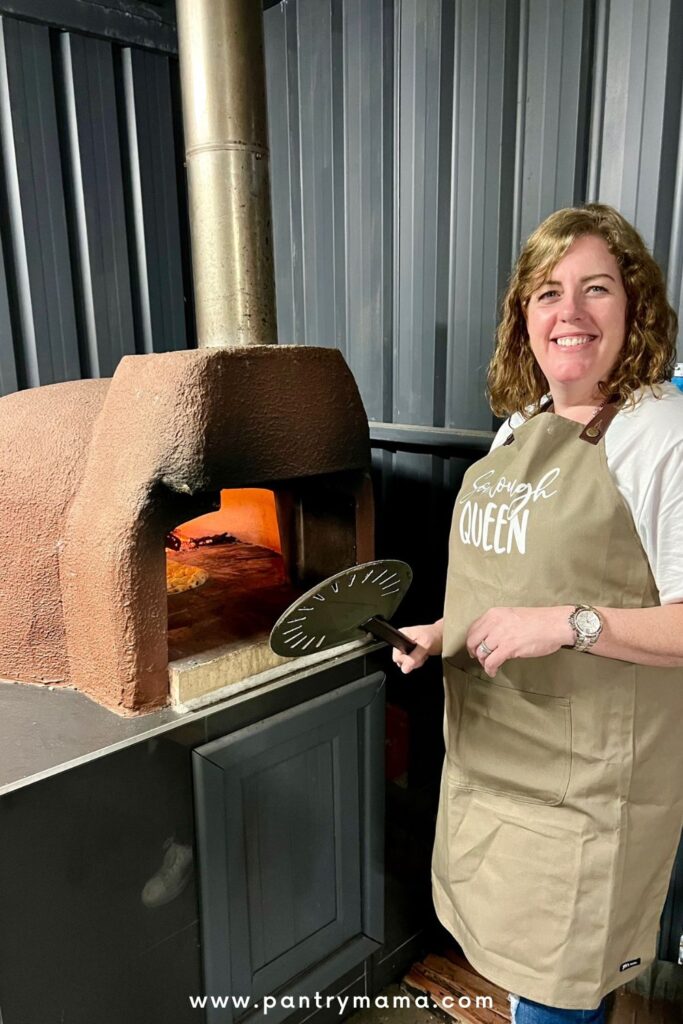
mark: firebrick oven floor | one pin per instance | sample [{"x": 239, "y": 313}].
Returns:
[{"x": 245, "y": 594}]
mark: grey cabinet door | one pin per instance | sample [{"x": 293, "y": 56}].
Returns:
[{"x": 289, "y": 833}]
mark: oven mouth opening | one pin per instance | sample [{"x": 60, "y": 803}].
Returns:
[
  {"x": 258, "y": 551},
  {"x": 227, "y": 578}
]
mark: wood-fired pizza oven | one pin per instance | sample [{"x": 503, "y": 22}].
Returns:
[{"x": 102, "y": 482}]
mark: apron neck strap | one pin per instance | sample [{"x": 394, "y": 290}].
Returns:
[{"x": 596, "y": 428}]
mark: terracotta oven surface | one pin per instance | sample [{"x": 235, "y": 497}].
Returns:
[{"x": 103, "y": 481}]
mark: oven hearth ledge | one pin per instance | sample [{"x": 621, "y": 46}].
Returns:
[{"x": 214, "y": 675}]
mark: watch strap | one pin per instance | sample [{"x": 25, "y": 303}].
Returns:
[{"x": 584, "y": 641}]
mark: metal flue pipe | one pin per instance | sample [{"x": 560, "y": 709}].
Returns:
[{"x": 226, "y": 148}]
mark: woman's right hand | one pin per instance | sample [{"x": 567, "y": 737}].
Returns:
[{"x": 429, "y": 640}]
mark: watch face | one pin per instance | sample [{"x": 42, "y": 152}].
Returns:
[
  {"x": 587, "y": 622},
  {"x": 332, "y": 612}
]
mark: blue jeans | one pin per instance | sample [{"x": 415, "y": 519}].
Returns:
[{"x": 524, "y": 1011}]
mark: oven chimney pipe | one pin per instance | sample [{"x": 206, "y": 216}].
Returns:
[{"x": 222, "y": 74}]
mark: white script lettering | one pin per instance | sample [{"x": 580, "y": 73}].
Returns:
[{"x": 519, "y": 491}]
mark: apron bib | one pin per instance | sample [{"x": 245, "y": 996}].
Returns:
[{"x": 561, "y": 805}]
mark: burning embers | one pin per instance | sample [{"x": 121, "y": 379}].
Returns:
[{"x": 176, "y": 542}]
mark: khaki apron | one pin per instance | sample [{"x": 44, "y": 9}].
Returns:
[{"x": 561, "y": 797}]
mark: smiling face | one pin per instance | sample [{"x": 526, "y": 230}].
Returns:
[{"x": 576, "y": 320}]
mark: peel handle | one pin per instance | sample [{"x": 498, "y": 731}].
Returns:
[{"x": 380, "y": 628}]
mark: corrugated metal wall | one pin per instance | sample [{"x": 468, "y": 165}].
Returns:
[
  {"x": 416, "y": 142},
  {"x": 90, "y": 210}
]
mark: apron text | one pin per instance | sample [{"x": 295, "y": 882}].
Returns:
[{"x": 499, "y": 528}]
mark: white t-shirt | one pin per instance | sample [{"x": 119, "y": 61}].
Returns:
[{"x": 644, "y": 451}]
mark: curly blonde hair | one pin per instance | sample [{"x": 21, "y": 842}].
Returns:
[{"x": 515, "y": 380}]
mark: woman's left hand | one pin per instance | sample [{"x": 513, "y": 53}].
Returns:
[{"x": 503, "y": 633}]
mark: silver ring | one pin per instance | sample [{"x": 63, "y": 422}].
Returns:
[{"x": 484, "y": 649}]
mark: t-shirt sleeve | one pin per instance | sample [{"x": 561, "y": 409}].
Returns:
[
  {"x": 659, "y": 521},
  {"x": 644, "y": 448}
]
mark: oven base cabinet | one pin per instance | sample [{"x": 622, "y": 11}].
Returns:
[{"x": 290, "y": 847}]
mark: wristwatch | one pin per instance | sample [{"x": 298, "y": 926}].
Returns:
[{"x": 587, "y": 626}]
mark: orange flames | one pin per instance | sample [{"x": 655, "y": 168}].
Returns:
[{"x": 246, "y": 514}]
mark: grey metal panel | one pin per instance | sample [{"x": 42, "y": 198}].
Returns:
[
  {"x": 338, "y": 164},
  {"x": 322, "y": 171},
  {"x": 130, "y": 21},
  {"x": 151, "y": 172},
  {"x": 420, "y": 132},
  {"x": 555, "y": 100},
  {"x": 434, "y": 440},
  {"x": 675, "y": 255},
  {"x": 599, "y": 86},
  {"x": 8, "y": 365},
  {"x": 478, "y": 178},
  {"x": 671, "y": 137},
  {"x": 330, "y": 79},
  {"x": 280, "y": 32},
  {"x": 635, "y": 166},
  {"x": 417, "y": 131},
  {"x": 367, "y": 195},
  {"x": 98, "y": 201},
  {"x": 33, "y": 173},
  {"x": 636, "y": 158},
  {"x": 675, "y": 263}
]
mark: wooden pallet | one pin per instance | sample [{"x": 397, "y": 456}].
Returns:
[{"x": 451, "y": 978}]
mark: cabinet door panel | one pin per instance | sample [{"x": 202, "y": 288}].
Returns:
[
  {"x": 290, "y": 853},
  {"x": 285, "y": 841}
]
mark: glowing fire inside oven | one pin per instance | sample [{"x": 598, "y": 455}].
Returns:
[
  {"x": 246, "y": 515},
  {"x": 225, "y": 574}
]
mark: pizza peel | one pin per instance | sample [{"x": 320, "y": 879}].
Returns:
[{"x": 345, "y": 607}]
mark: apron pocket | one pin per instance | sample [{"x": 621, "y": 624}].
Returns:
[
  {"x": 509, "y": 741},
  {"x": 513, "y": 882}
]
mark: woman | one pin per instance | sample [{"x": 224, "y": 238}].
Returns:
[{"x": 561, "y": 801}]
